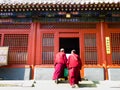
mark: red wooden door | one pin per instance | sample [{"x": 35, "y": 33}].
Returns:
[{"x": 86, "y": 35}]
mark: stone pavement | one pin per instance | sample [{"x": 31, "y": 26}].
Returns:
[{"x": 49, "y": 84}]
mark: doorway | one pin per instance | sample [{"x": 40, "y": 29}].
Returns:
[{"x": 68, "y": 44}]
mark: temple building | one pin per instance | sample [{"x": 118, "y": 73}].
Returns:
[{"x": 35, "y": 30}]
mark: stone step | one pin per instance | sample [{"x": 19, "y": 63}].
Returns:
[{"x": 64, "y": 84}]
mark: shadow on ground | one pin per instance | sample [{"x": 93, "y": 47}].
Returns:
[
  {"x": 89, "y": 84},
  {"x": 83, "y": 83}
]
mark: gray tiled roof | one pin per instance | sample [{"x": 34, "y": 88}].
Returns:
[{"x": 58, "y": 1}]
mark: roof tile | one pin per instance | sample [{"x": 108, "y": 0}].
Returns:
[{"x": 58, "y": 1}]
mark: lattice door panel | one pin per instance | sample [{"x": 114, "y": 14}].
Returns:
[
  {"x": 91, "y": 55},
  {"x": 18, "y": 45},
  {"x": 47, "y": 48},
  {"x": 115, "y": 45}
]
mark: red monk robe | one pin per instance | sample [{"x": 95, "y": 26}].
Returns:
[
  {"x": 74, "y": 65},
  {"x": 59, "y": 63}
]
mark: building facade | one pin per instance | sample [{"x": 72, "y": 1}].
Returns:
[{"x": 35, "y": 32}]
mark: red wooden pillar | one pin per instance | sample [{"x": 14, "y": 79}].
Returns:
[
  {"x": 56, "y": 40},
  {"x": 81, "y": 43},
  {"x": 39, "y": 47},
  {"x": 2, "y": 40},
  {"x": 32, "y": 48},
  {"x": 104, "y": 50}
]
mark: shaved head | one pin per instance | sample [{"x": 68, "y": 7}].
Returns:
[{"x": 62, "y": 50}]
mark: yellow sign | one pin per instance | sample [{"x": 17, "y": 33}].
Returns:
[
  {"x": 108, "y": 45},
  {"x": 3, "y": 56},
  {"x": 68, "y": 15}
]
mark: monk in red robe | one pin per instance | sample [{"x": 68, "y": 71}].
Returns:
[
  {"x": 74, "y": 65},
  {"x": 60, "y": 63}
]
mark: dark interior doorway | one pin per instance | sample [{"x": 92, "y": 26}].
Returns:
[{"x": 69, "y": 43}]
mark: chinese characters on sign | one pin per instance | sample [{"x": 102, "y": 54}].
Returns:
[
  {"x": 107, "y": 45},
  {"x": 3, "y": 55}
]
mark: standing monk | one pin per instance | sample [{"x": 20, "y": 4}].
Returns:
[
  {"x": 59, "y": 64},
  {"x": 74, "y": 65}
]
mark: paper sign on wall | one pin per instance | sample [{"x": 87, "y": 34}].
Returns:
[
  {"x": 108, "y": 45},
  {"x": 3, "y": 56}
]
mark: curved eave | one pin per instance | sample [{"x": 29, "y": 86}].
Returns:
[{"x": 58, "y": 7}]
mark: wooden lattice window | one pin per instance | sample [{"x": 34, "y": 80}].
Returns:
[
  {"x": 115, "y": 44},
  {"x": 47, "y": 48},
  {"x": 14, "y": 26},
  {"x": 18, "y": 45},
  {"x": 68, "y": 26},
  {"x": 90, "y": 49},
  {"x": 114, "y": 25}
]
